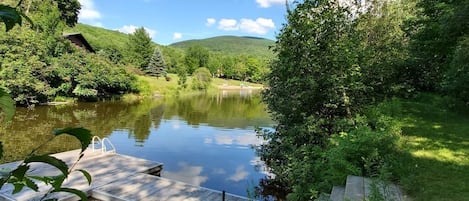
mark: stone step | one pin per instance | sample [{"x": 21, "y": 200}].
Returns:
[
  {"x": 355, "y": 188},
  {"x": 337, "y": 193},
  {"x": 361, "y": 189}
]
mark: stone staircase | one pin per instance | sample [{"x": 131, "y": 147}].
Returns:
[{"x": 360, "y": 189}]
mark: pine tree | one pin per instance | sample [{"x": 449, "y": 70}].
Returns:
[
  {"x": 157, "y": 65},
  {"x": 139, "y": 48}
]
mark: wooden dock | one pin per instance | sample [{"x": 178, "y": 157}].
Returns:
[{"x": 115, "y": 177}]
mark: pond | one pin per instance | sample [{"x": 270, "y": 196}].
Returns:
[{"x": 203, "y": 140}]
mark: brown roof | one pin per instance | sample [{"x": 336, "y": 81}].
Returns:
[{"x": 79, "y": 40}]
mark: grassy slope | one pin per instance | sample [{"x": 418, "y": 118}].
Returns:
[
  {"x": 100, "y": 38},
  {"x": 437, "y": 151},
  {"x": 232, "y": 45}
]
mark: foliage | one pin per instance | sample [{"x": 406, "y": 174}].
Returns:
[
  {"x": 157, "y": 65},
  {"x": 10, "y": 16},
  {"x": 20, "y": 178},
  {"x": 69, "y": 10},
  {"x": 196, "y": 57},
  {"x": 182, "y": 75},
  {"x": 140, "y": 48},
  {"x": 457, "y": 78},
  {"x": 316, "y": 94},
  {"x": 384, "y": 46},
  {"x": 201, "y": 79},
  {"x": 434, "y": 32}
]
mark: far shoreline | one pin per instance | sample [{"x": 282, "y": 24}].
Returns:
[{"x": 234, "y": 87}]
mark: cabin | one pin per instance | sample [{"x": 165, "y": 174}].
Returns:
[{"x": 79, "y": 40}]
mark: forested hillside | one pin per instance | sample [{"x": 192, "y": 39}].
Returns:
[
  {"x": 242, "y": 58},
  {"x": 232, "y": 45}
]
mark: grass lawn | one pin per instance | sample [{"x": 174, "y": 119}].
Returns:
[{"x": 435, "y": 165}]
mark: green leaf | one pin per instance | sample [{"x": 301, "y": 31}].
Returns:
[
  {"x": 45, "y": 179},
  {"x": 79, "y": 193},
  {"x": 20, "y": 171},
  {"x": 10, "y": 16},
  {"x": 58, "y": 181},
  {"x": 18, "y": 188},
  {"x": 59, "y": 164},
  {"x": 7, "y": 105},
  {"x": 31, "y": 184},
  {"x": 82, "y": 134},
  {"x": 87, "y": 175}
]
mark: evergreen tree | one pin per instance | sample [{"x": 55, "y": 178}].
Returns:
[
  {"x": 140, "y": 48},
  {"x": 157, "y": 66}
]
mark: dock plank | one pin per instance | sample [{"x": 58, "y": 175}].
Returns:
[
  {"x": 115, "y": 177},
  {"x": 103, "y": 167},
  {"x": 149, "y": 187}
]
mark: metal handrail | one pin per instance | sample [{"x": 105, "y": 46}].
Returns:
[
  {"x": 93, "y": 143},
  {"x": 103, "y": 144},
  {"x": 104, "y": 147}
]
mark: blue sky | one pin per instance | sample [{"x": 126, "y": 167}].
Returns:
[{"x": 170, "y": 21}]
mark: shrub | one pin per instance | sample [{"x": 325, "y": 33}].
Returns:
[
  {"x": 457, "y": 77},
  {"x": 201, "y": 79}
]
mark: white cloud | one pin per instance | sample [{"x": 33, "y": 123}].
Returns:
[
  {"x": 128, "y": 29},
  {"x": 98, "y": 24},
  {"x": 246, "y": 140},
  {"x": 210, "y": 22},
  {"x": 88, "y": 11},
  {"x": 259, "y": 26},
  {"x": 269, "y": 3},
  {"x": 177, "y": 36},
  {"x": 228, "y": 25},
  {"x": 239, "y": 175}
]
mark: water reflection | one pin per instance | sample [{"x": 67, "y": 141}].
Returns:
[
  {"x": 203, "y": 140},
  {"x": 240, "y": 174},
  {"x": 187, "y": 173}
]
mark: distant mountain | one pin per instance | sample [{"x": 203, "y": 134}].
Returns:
[{"x": 232, "y": 45}]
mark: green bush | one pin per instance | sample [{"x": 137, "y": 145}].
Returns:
[
  {"x": 367, "y": 146},
  {"x": 201, "y": 79},
  {"x": 457, "y": 77}
]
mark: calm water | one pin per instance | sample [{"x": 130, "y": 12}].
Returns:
[{"x": 203, "y": 140}]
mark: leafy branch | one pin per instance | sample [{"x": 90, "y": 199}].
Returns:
[{"x": 19, "y": 177}]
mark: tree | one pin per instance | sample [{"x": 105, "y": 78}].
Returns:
[
  {"x": 139, "y": 48},
  {"x": 201, "y": 79},
  {"x": 434, "y": 32},
  {"x": 19, "y": 177},
  {"x": 69, "y": 10},
  {"x": 196, "y": 57},
  {"x": 384, "y": 45},
  {"x": 314, "y": 90},
  {"x": 157, "y": 65}
]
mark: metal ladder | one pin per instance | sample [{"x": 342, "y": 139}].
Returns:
[{"x": 104, "y": 143}]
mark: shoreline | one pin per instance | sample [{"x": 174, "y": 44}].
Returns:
[{"x": 233, "y": 87}]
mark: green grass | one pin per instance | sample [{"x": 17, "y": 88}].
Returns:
[
  {"x": 435, "y": 163},
  {"x": 100, "y": 38}
]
